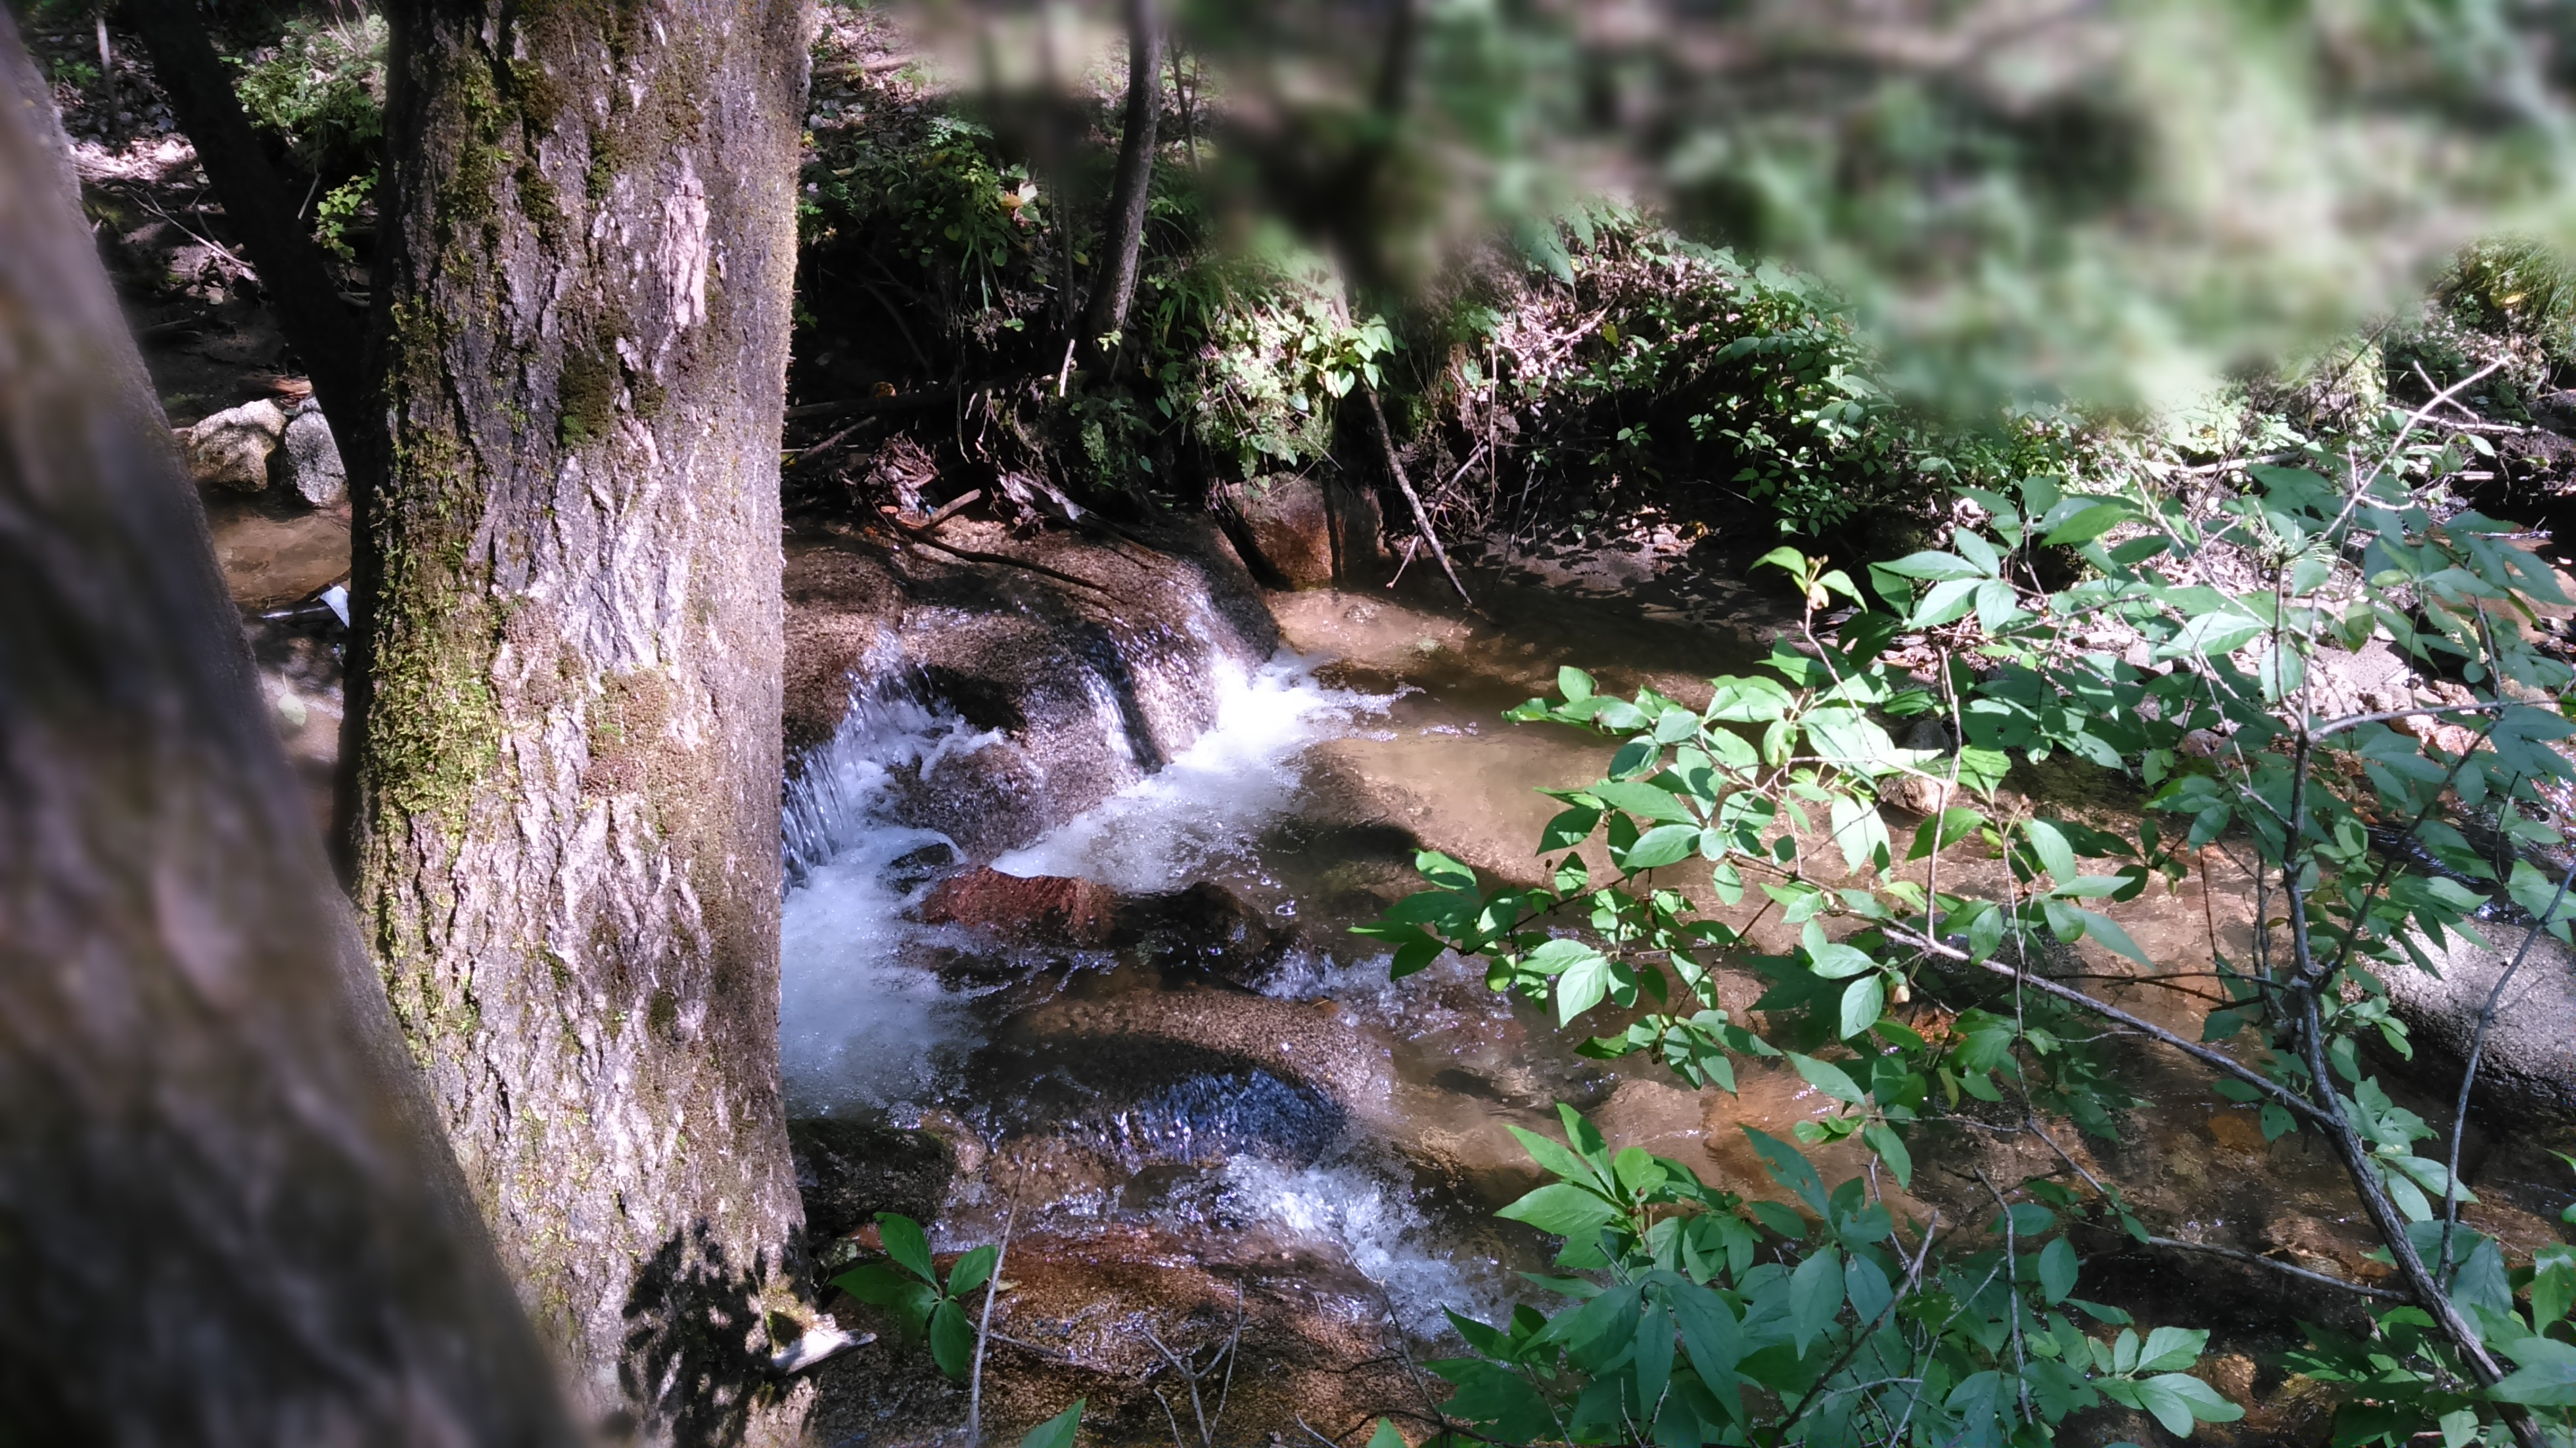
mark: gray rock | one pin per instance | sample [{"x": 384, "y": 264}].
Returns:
[
  {"x": 2528, "y": 1066},
  {"x": 231, "y": 448},
  {"x": 308, "y": 465}
]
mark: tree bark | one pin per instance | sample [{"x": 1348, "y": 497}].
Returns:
[
  {"x": 262, "y": 209},
  {"x": 226, "y": 1215},
  {"x": 1113, "y": 287},
  {"x": 565, "y": 705}
]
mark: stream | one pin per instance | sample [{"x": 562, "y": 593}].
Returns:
[{"x": 1154, "y": 1111}]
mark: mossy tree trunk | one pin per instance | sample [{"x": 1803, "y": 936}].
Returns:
[
  {"x": 226, "y": 1216},
  {"x": 1122, "y": 241},
  {"x": 565, "y": 700}
]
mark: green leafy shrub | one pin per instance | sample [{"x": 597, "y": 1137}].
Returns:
[
  {"x": 1774, "y": 785},
  {"x": 1256, "y": 347},
  {"x": 321, "y": 89},
  {"x": 908, "y": 1282}
]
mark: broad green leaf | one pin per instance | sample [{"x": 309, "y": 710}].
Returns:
[
  {"x": 906, "y": 1244},
  {"x": 1789, "y": 1167},
  {"x": 2171, "y": 1349},
  {"x": 2175, "y": 1399},
  {"x": 1747, "y": 700},
  {"x": 1386, "y": 1435},
  {"x": 1830, "y": 959},
  {"x": 1890, "y": 1147},
  {"x": 2088, "y": 524},
  {"x": 1573, "y": 683},
  {"x": 969, "y": 1271},
  {"x": 2547, "y": 1378},
  {"x": 1581, "y": 987},
  {"x": 2103, "y": 929},
  {"x": 1815, "y": 1296},
  {"x": 1934, "y": 565},
  {"x": 1829, "y": 1078},
  {"x": 2212, "y": 633},
  {"x": 1863, "y": 1001},
  {"x": 1645, "y": 801},
  {"x": 952, "y": 1339},
  {"x": 2048, "y": 842},
  {"x": 1557, "y": 1159},
  {"x": 1661, "y": 846},
  {"x": 1562, "y": 1209},
  {"x": 2057, "y": 1270}
]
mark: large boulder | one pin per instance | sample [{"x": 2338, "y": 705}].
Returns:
[
  {"x": 231, "y": 449},
  {"x": 308, "y": 464},
  {"x": 2527, "y": 1068},
  {"x": 1303, "y": 532}
]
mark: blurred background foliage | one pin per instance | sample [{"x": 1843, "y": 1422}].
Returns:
[{"x": 1825, "y": 257}]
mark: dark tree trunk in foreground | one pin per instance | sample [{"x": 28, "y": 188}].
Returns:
[
  {"x": 261, "y": 207},
  {"x": 566, "y": 705},
  {"x": 1113, "y": 287},
  {"x": 226, "y": 1216}
]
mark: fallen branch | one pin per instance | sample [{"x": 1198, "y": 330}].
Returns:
[
  {"x": 1395, "y": 470},
  {"x": 922, "y": 537},
  {"x": 2275, "y": 1264},
  {"x": 897, "y": 402}
]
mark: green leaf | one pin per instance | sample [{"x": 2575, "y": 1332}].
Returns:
[
  {"x": 1581, "y": 987},
  {"x": 1830, "y": 959},
  {"x": 1815, "y": 1295},
  {"x": 1645, "y": 801},
  {"x": 1829, "y": 1078},
  {"x": 2057, "y": 1270},
  {"x": 1934, "y": 565},
  {"x": 1557, "y": 1159},
  {"x": 1568, "y": 829},
  {"x": 878, "y": 1282},
  {"x": 1443, "y": 871},
  {"x": 2171, "y": 1348},
  {"x": 1663, "y": 845},
  {"x": 1863, "y": 1000},
  {"x": 952, "y": 1339},
  {"x": 2101, "y": 928},
  {"x": 1574, "y": 684},
  {"x": 2088, "y": 524},
  {"x": 1747, "y": 701},
  {"x": 905, "y": 1243},
  {"x": 2175, "y": 1399},
  {"x": 1057, "y": 1432},
  {"x": 2212, "y": 633},
  {"x": 2547, "y": 1378},
  {"x": 1890, "y": 1147},
  {"x": 2048, "y": 843},
  {"x": 970, "y": 1270},
  {"x": 1789, "y": 1167},
  {"x": 1386, "y": 1435}
]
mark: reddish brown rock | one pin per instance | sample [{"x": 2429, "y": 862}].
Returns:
[{"x": 1040, "y": 909}]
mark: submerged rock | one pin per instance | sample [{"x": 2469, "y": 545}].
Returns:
[{"x": 2527, "y": 1068}]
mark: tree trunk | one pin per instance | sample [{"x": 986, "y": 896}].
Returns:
[
  {"x": 226, "y": 1216},
  {"x": 301, "y": 291},
  {"x": 1113, "y": 287},
  {"x": 565, "y": 709}
]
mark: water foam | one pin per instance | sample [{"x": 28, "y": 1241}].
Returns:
[{"x": 1208, "y": 804}]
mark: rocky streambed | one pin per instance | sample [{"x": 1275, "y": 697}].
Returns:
[{"x": 1068, "y": 965}]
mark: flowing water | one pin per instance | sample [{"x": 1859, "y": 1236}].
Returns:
[{"x": 1282, "y": 1099}]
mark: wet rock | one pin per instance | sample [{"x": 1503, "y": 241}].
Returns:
[
  {"x": 307, "y": 465},
  {"x": 1038, "y": 909},
  {"x": 1302, "y": 532},
  {"x": 1205, "y": 925},
  {"x": 231, "y": 449},
  {"x": 1074, "y": 691},
  {"x": 848, "y": 1171},
  {"x": 2527, "y": 1068},
  {"x": 1081, "y": 1320}
]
